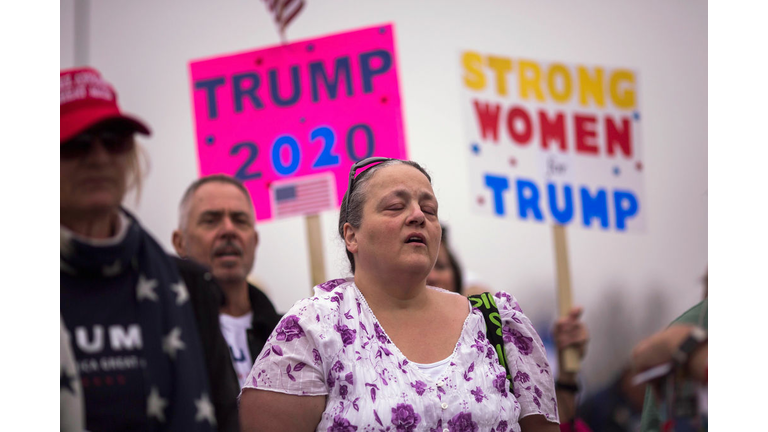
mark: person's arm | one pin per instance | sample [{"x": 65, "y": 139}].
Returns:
[
  {"x": 263, "y": 410},
  {"x": 569, "y": 331},
  {"x": 660, "y": 348},
  {"x": 534, "y": 387},
  {"x": 537, "y": 423},
  {"x": 698, "y": 363},
  {"x": 286, "y": 389}
]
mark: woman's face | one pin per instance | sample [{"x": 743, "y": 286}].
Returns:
[
  {"x": 442, "y": 275},
  {"x": 399, "y": 231},
  {"x": 94, "y": 168}
]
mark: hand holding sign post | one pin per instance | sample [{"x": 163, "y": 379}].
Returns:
[{"x": 289, "y": 120}]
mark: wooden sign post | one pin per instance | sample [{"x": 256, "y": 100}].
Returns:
[
  {"x": 571, "y": 361},
  {"x": 315, "y": 247}
]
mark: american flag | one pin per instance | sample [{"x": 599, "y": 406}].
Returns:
[
  {"x": 303, "y": 195},
  {"x": 285, "y": 11}
]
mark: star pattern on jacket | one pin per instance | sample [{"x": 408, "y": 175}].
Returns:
[
  {"x": 145, "y": 289},
  {"x": 156, "y": 405},
  {"x": 66, "y": 382},
  {"x": 205, "y": 410},
  {"x": 172, "y": 343},
  {"x": 182, "y": 294},
  {"x": 113, "y": 269},
  {"x": 66, "y": 268}
]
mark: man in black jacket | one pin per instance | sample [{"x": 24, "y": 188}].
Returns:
[
  {"x": 206, "y": 298},
  {"x": 217, "y": 229}
]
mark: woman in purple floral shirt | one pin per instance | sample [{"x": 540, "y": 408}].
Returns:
[{"x": 382, "y": 351}]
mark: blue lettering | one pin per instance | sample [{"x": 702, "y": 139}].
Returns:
[
  {"x": 530, "y": 202},
  {"x": 596, "y": 206},
  {"x": 565, "y": 215},
  {"x": 326, "y": 157},
  {"x": 619, "y": 198},
  {"x": 498, "y": 185},
  {"x": 277, "y": 162},
  {"x": 367, "y": 71},
  {"x": 239, "y": 91},
  {"x": 316, "y": 70},
  {"x": 274, "y": 88},
  {"x": 210, "y": 93},
  {"x": 370, "y": 144}
]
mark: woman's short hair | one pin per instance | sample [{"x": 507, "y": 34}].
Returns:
[{"x": 352, "y": 208}]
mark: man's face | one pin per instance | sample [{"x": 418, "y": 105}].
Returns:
[{"x": 220, "y": 232}]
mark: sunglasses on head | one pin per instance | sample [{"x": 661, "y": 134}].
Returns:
[
  {"x": 114, "y": 142},
  {"x": 356, "y": 166}
]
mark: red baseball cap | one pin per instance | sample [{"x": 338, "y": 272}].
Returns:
[{"x": 86, "y": 100}]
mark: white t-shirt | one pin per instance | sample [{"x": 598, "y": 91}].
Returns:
[
  {"x": 434, "y": 370},
  {"x": 234, "y": 331}
]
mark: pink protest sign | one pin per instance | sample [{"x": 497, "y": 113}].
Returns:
[{"x": 309, "y": 109}]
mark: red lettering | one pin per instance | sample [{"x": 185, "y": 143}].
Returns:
[
  {"x": 585, "y": 134},
  {"x": 621, "y": 137},
  {"x": 520, "y": 137},
  {"x": 552, "y": 130},
  {"x": 488, "y": 118},
  {"x": 555, "y": 130}
]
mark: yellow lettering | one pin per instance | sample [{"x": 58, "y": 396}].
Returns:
[
  {"x": 591, "y": 86},
  {"x": 626, "y": 98},
  {"x": 530, "y": 80},
  {"x": 473, "y": 66},
  {"x": 563, "y": 94},
  {"x": 500, "y": 65}
]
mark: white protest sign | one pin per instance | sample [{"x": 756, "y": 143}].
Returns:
[{"x": 553, "y": 142}]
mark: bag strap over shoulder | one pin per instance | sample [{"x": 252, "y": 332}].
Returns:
[{"x": 487, "y": 305}]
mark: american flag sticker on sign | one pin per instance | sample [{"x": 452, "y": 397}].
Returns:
[{"x": 304, "y": 195}]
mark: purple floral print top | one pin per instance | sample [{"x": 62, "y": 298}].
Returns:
[{"x": 331, "y": 344}]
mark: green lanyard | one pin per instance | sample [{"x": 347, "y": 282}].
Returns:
[{"x": 487, "y": 306}]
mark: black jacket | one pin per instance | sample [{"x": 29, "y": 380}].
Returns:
[
  {"x": 206, "y": 298},
  {"x": 265, "y": 319}
]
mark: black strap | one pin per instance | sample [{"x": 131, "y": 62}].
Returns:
[
  {"x": 572, "y": 388},
  {"x": 487, "y": 306}
]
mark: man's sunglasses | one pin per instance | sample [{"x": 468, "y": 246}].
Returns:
[
  {"x": 114, "y": 142},
  {"x": 356, "y": 166}
]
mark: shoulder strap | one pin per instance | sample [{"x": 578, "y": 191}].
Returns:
[{"x": 487, "y": 306}]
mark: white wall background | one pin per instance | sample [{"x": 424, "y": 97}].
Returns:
[{"x": 630, "y": 285}]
